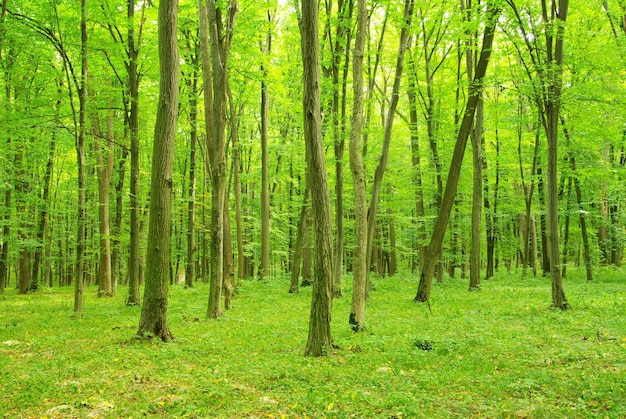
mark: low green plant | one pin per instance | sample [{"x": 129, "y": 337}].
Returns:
[{"x": 500, "y": 352}]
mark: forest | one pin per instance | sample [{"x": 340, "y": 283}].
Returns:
[{"x": 361, "y": 171}]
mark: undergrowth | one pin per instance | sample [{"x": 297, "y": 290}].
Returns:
[{"x": 501, "y": 352}]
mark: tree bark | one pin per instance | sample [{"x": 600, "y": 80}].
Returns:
[
  {"x": 153, "y": 322},
  {"x": 298, "y": 246},
  {"x": 133, "y": 88},
  {"x": 434, "y": 248},
  {"x": 80, "y": 158},
  {"x": 359, "y": 260},
  {"x": 234, "y": 135},
  {"x": 264, "y": 270},
  {"x": 190, "y": 267},
  {"x": 220, "y": 37},
  {"x": 552, "y": 108},
  {"x": 319, "y": 339}
]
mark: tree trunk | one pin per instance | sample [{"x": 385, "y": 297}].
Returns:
[
  {"x": 80, "y": 158},
  {"x": 153, "y": 321},
  {"x": 43, "y": 214},
  {"x": 190, "y": 266},
  {"x": 220, "y": 36},
  {"x": 434, "y": 248},
  {"x": 319, "y": 340},
  {"x": 417, "y": 169},
  {"x": 229, "y": 263},
  {"x": 307, "y": 248},
  {"x": 264, "y": 270},
  {"x": 133, "y": 88},
  {"x": 234, "y": 135},
  {"x": 384, "y": 155},
  {"x": 359, "y": 261},
  {"x": 298, "y": 247},
  {"x": 104, "y": 169},
  {"x": 477, "y": 196},
  {"x": 552, "y": 108}
]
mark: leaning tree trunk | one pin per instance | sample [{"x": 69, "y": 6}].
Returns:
[
  {"x": 319, "y": 340},
  {"x": 434, "y": 248},
  {"x": 153, "y": 321},
  {"x": 384, "y": 155}
]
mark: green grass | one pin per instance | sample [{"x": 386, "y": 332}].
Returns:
[{"x": 500, "y": 353}]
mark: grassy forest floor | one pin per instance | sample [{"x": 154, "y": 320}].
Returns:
[{"x": 500, "y": 352}]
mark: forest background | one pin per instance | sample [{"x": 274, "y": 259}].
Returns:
[{"x": 78, "y": 115}]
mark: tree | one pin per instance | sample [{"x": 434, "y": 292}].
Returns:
[
  {"x": 153, "y": 322},
  {"x": 215, "y": 105},
  {"x": 435, "y": 245},
  {"x": 359, "y": 263},
  {"x": 554, "y": 54},
  {"x": 384, "y": 155},
  {"x": 320, "y": 340},
  {"x": 264, "y": 270}
]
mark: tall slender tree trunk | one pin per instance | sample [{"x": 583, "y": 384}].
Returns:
[
  {"x": 359, "y": 259},
  {"x": 153, "y": 322},
  {"x": 6, "y": 229},
  {"x": 320, "y": 339},
  {"x": 234, "y": 135},
  {"x": 133, "y": 87},
  {"x": 384, "y": 155},
  {"x": 80, "y": 157},
  {"x": 264, "y": 270},
  {"x": 434, "y": 248},
  {"x": 43, "y": 214},
  {"x": 190, "y": 264},
  {"x": 417, "y": 169},
  {"x": 220, "y": 36},
  {"x": 552, "y": 108},
  {"x": 477, "y": 161},
  {"x": 298, "y": 246},
  {"x": 104, "y": 169},
  {"x": 579, "y": 200}
]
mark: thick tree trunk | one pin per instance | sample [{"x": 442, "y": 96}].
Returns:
[
  {"x": 153, "y": 321},
  {"x": 434, "y": 248},
  {"x": 359, "y": 261},
  {"x": 319, "y": 340}
]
